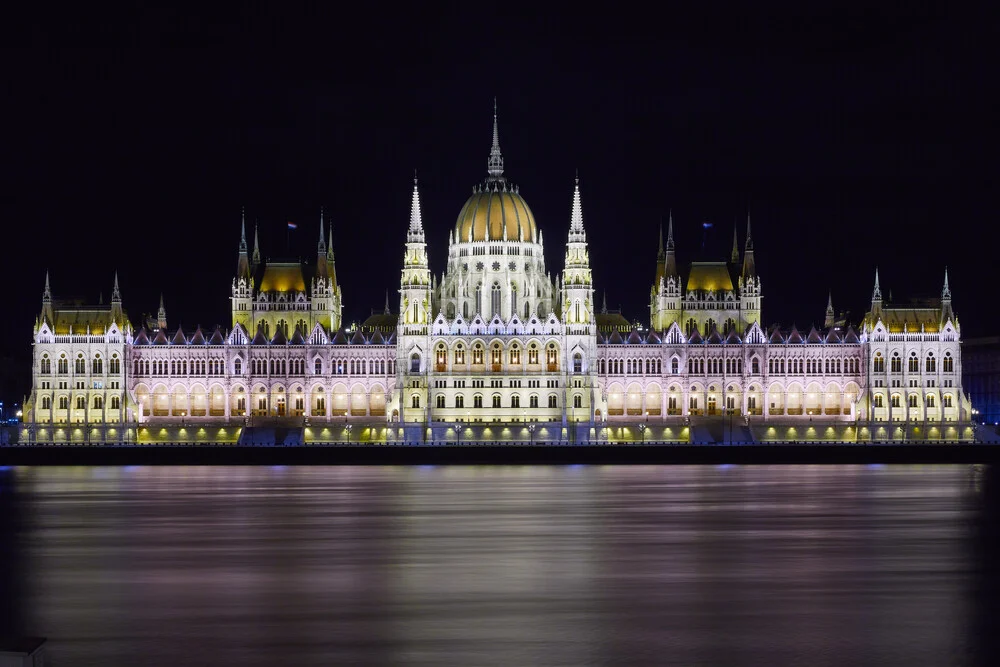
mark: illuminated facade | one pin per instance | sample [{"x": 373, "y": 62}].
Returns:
[{"x": 497, "y": 347}]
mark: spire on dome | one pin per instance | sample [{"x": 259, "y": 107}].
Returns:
[
  {"x": 576, "y": 231},
  {"x": 321, "y": 247},
  {"x": 946, "y": 290},
  {"x": 495, "y": 164},
  {"x": 416, "y": 224}
]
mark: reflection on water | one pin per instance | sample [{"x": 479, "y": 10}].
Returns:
[{"x": 502, "y": 566}]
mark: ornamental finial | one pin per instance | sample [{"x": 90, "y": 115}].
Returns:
[{"x": 494, "y": 165}]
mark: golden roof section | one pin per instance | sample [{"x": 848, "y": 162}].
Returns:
[
  {"x": 712, "y": 276},
  {"x": 77, "y": 321},
  {"x": 897, "y": 320},
  {"x": 488, "y": 213},
  {"x": 283, "y": 278}
]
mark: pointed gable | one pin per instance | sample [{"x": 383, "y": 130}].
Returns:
[
  {"x": 358, "y": 339},
  {"x": 218, "y": 339},
  {"x": 733, "y": 338},
  {"x": 259, "y": 338},
  {"x": 141, "y": 338},
  {"x": 377, "y": 339},
  {"x": 634, "y": 338},
  {"x": 776, "y": 337},
  {"x": 814, "y": 336},
  {"x": 851, "y": 337},
  {"x": 695, "y": 337},
  {"x": 279, "y": 336},
  {"x": 179, "y": 338},
  {"x": 297, "y": 338},
  {"x": 391, "y": 340},
  {"x": 832, "y": 336},
  {"x": 714, "y": 338},
  {"x": 318, "y": 336},
  {"x": 615, "y": 338},
  {"x": 198, "y": 338},
  {"x": 340, "y": 338},
  {"x": 238, "y": 336},
  {"x": 794, "y": 338},
  {"x": 653, "y": 338},
  {"x": 161, "y": 338}
]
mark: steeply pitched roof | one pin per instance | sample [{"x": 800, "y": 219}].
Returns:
[
  {"x": 217, "y": 337},
  {"x": 711, "y": 276}
]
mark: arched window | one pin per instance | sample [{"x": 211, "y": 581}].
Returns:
[
  {"x": 553, "y": 401},
  {"x": 577, "y": 401},
  {"x": 515, "y": 355},
  {"x": 64, "y": 402},
  {"x": 80, "y": 367},
  {"x": 460, "y": 401},
  {"x": 709, "y": 325},
  {"x": 238, "y": 366},
  {"x": 46, "y": 365},
  {"x": 477, "y": 354},
  {"x": 46, "y": 402},
  {"x": 533, "y": 401},
  {"x": 946, "y": 401},
  {"x": 948, "y": 365},
  {"x": 689, "y": 327},
  {"x": 533, "y": 354},
  {"x": 495, "y": 300},
  {"x": 440, "y": 400},
  {"x": 415, "y": 365},
  {"x": 465, "y": 309},
  {"x": 477, "y": 401},
  {"x": 755, "y": 366},
  {"x": 115, "y": 365},
  {"x": 515, "y": 401},
  {"x": 930, "y": 400},
  {"x": 441, "y": 358},
  {"x": 674, "y": 365},
  {"x": 878, "y": 363},
  {"x": 931, "y": 364},
  {"x": 479, "y": 298},
  {"x": 98, "y": 402},
  {"x": 513, "y": 299},
  {"x": 459, "y": 354},
  {"x": 415, "y": 401},
  {"x": 878, "y": 400},
  {"x": 97, "y": 366},
  {"x": 318, "y": 367},
  {"x": 115, "y": 403},
  {"x": 914, "y": 365},
  {"x": 496, "y": 400},
  {"x": 913, "y": 400},
  {"x": 577, "y": 363},
  {"x": 895, "y": 401}
]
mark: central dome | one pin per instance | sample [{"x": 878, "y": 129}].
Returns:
[{"x": 493, "y": 210}]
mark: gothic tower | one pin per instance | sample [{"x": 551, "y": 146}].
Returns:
[{"x": 413, "y": 328}]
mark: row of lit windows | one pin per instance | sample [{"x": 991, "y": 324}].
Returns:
[
  {"x": 913, "y": 363},
  {"x": 515, "y": 401},
  {"x": 850, "y": 366},
  {"x": 727, "y": 326},
  {"x": 79, "y": 365},
  {"x": 262, "y": 367},
  {"x": 913, "y": 401},
  {"x": 514, "y": 355},
  {"x": 81, "y": 402}
]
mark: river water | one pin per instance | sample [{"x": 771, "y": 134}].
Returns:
[{"x": 570, "y": 565}]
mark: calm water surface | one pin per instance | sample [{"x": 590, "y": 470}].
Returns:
[{"x": 516, "y": 566}]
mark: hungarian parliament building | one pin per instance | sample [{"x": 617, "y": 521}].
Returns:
[{"x": 497, "y": 348}]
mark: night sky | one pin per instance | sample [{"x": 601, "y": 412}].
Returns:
[{"x": 132, "y": 141}]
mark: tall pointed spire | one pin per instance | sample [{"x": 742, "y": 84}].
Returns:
[
  {"x": 830, "y": 318},
  {"x": 659, "y": 253},
  {"x": 329, "y": 246},
  {"x": 946, "y": 290},
  {"x": 749, "y": 266},
  {"x": 576, "y": 231},
  {"x": 416, "y": 223},
  {"x": 243, "y": 231},
  {"x": 604, "y": 302},
  {"x": 387, "y": 311},
  {"x": 494, "y": 165},
  {"x": 47, "y": 292},
  {"x": 116, "y": 294},
  {"x": 256, "y": 246},
  {"x": 877, "y": 292},
  {"x": 161, "y": 315},
  {"x": 735, "y": 256},
  {"x": 321, "y": 247},
  {"x": 749, "y": 241},
  {"x": 670, "y": 230}
]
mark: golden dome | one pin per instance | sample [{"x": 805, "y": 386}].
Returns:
[{"x": 488, "y": 212}]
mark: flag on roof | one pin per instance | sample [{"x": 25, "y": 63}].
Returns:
[{"x": 292, "y": 225}]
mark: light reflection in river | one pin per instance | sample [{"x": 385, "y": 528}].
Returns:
[{"x": 433, "y": 565}]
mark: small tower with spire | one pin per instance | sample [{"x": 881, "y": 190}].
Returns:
[
  {"x": 494, "y": 166},
  {"x": 325, "y": 298},
  {"x": 749, "y": 283},
  {"x": 413, "y": 326},
  {"x": 665, "y": 294},
  {"x": 242, "y": 289},
  {"x": 48, "y": 315},
  {"x": 161, "y": 316},
  {"x": 734, "y": 256},
  {"x": 876, "y": 298},
  {"x": 946, "y": 312},
  {"x": 830, "y": 319},
  {"x": 117, "y": 315}
]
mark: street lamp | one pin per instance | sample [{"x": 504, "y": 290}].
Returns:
[
  {"x": 642, "y": 430},
  {"x": 531, "y": 434},
  {"x": 458, "y": 431},
  {"x": 348, "y": 427}
]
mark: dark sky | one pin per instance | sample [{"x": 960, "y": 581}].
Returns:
[{"x": 133, "y": 139}]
